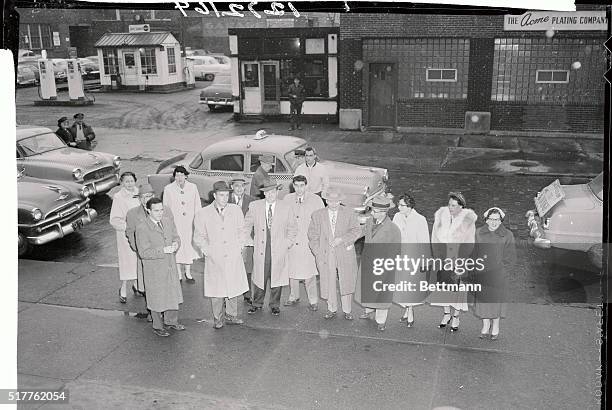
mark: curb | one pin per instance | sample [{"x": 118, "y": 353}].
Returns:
[{"x": 497, "y": 174}]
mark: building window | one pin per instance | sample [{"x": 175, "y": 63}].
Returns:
[
  {"x": 171, "y": 60},
  {"x": 110, "y": 60},
  {"x": 251, "y": 75},
  {"x": 429, "y": 68},
  {"x": 148, "y": 63},
  {"x": 35, "y": 36},
  {"x": 548, "y": 71},
  {"x": 552, "y": 76},
  {"x": 286, "y": 46},
  {"x": 441, "y": 74},
  {"x": 311, "y": 70}
]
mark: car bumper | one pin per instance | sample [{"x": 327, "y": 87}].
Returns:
[
  {"x": 62, "y": 228},
  {"x": 217, "y": 101},
  {"x": 103, "y": 185}
]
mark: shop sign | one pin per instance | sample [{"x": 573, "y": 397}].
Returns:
[{"x": 557, "y": 20}]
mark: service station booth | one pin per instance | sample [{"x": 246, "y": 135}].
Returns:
[
  {"x": 265, "y": 62},
  {"x": 143, "y": 61}
]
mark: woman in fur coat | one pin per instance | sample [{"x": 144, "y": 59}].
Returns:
[{"x": 452, "y": 237}]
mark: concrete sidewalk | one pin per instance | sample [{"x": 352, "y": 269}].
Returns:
[{"x": 74, "y": 334}]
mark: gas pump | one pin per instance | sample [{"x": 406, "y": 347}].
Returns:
[
  {"x": 189, "y": 72},
  {"x": 75, "y": 80},
  {"x": 47, "y": 78}
]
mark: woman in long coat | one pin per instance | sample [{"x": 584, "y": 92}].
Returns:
[
  {"x": 124, "y": 200},
  {"x": 495, "y": 244},
  {"x": 415, "y": 245},
  {"x": 452, "y": 237},
  {"x": 183, "y": 199}
]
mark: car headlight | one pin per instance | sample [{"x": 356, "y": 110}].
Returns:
[
  {"x": 37, "y": 214},
  {"x": 117, "y": 162},
  {"x": 77, "y": 173},
  {"x": 85, "y": 191}
]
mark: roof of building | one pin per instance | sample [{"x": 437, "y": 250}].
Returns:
[{"x": 133, "y": 39}]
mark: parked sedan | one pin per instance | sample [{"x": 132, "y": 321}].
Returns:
[
  {"x": 44, "y": 155},
  {"x": 569, "y": 217},
  {"x": 219, "y": 93},
  {"x": 48, "y": 211},
  {"x": 240, "y": 156},
  {"x": 31, "y": 65},
  {"x": 25, "y": 76},
  {"x": 206, "y": 67}
]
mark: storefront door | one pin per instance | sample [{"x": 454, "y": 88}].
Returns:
[
  {"x": 271, "y": 87},
  {"x": 382, "y": 95},
  {"x": 251, "y": 88},
  {"x": 130, "y": 69}
]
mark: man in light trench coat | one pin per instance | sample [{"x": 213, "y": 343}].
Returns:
[
  {"x": 275, "y": 231},
  {"x": 332, "y": 234},
  {"x": 302, "y": 265},
  {"x": 218, "y": 233}
]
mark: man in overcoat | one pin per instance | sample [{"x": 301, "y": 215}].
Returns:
[
  {"x": 302, "y": 265},
  {"x": 83, "y": 134},
  {"x": 157, "y": 242},
  {"x": 266, "y": 162},
  {"x": 218, "y": 233},
  {"x": 239, "y": 197},
  {"x": 297, "y": 95},
  {"x": 380, "y": 230},
  {"x": 332, "y": 234},
  {"x": 275, "y": 232}
]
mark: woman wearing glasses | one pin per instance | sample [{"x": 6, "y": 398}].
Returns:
[{"x": 495, "y": 245}]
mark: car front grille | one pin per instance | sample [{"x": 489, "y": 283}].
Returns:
[
  {"x": 64, "y": 210},
  {"x": 99, "y": 174}
]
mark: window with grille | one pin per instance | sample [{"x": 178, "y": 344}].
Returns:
[
  {"x": 548, "y": 71},
  {"x": 431, "y": 68},
  {"x": 109, "y": 58},
  {"x": 148, "y": 62},
  {"x": 171, "y": 60},
  {"x": 35, "y": 36}
]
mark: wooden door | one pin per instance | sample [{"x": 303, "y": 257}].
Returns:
[{"x": 382, "y": 95}]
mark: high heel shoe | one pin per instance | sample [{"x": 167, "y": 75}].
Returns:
[
  {"x": 122, "y": 299},
  {"x": 455, "y": 328},
  {"x": 409, "y": 324},
  {"x": 494, "y": 337},
  {"x": 137, "y": 292},
  {"x": 445, "y": 319},
  {"x": 484, "y": 335}
]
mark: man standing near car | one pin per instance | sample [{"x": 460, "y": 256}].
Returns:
[
  {"x": 218, "y": 230},
  {"x": 266, "y": 162},
  {"x": 314, "y": 171},
  {"x": 275, "y": 233},
  {"x": 83, "y": 134},
  {"x": 243, "y": 200},
  {"x": 297, "y": 95}
]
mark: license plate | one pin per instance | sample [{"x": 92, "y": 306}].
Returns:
[{"x": 76, "y": 225}]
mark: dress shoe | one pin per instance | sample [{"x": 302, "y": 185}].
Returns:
[
  {"x": 149, "y": 318},
  {"x": 494, "y": 337},
  {"x": 409, "y": 324},
  {"x": 189, "y": 278},
  {"x": 275, "y": 311},
  {"x": 403, "y": 319},
  {"x": 218, "y": 324},
  {"x": 381, "y": 327},
  {"x": 348, "y": 316},
  {"x": 445, "y": 319},
  {"x": 248, "y": 300},
  {"x": 233, "y": 320},
  {"x": 330, "y": 315},
  {"x": 365, "y": 315},
  {"x": 290, "y": 302},
  {"x": 176, "y": 327},
  {"x": 161, "y": 332},
  {"x": 122, "y": 299},
  {"x": 455, "y": 324},
  {"x": 313, "y": 307},
  {"x": 253, "y": 309}
]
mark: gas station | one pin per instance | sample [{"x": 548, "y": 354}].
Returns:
[{"x": 48, "y": 88}]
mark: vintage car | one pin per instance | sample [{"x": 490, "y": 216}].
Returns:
[
  {"x": 25, "y": 76},
  {"x": 240, "y": 156},
  {"x": 219, "y": 93},
  {"x": 206, "y": 67},
  {"x": 44, "y": 155},
  {"x": 48, "y": 210},
  {"x": 569, "y": 217}
]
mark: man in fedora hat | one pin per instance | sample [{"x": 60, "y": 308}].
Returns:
[
  {"x": 378, "y": 230},
  {"x": 243, "y": 200},
  {"x": 83, "y": 134},
  {"x": 64, "y": 133},
  {"x": 218, "y": 234},
  {"x": 302, "y": 261},
  {"x": 332, "y": 234},
  {"x": 266, "y": 162},
  {"x": 275, "y": 232}
]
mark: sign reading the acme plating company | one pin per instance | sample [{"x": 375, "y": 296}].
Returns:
[{"x": 557, "y": 20}]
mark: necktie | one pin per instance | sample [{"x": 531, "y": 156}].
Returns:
[
  {"x": 220, "y": 211},
  {"x": 300, "y": 200},
  {"x": 269, "y": 216},
  {"x": 333, "y": 222},
  {"x": 160, "y": 225}
]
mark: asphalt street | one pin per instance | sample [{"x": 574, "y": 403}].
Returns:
[{"x": 74, "y": 333}]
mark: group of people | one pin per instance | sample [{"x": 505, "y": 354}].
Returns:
[
  {"x": 252, "y": 246},
  {"x": 78, "y": 135}
]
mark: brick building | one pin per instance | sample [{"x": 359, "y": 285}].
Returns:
[{"x": 423, "y": 70}]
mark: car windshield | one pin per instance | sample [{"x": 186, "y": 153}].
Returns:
[
  {"x": 292, "y": 159},
  {"x": 222, "y": 59},
  {"x": 39, "y": 144},
  {"x": 222, "y": 80},
  {"x": 596, "y": 186}
]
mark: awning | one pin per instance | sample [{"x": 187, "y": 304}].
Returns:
[{"x": 132, "y": 39}]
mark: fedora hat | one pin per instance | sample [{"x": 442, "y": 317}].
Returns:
[
  {"x": 266, "y": 159},
  {"x": 269, "y": 184},
  {"x": 239, "y": 178},
  {"x": 78, "y": 115},
  {"x": 221, "y": 186},
  {"x": 333, "y": 194},
  {"x": 381, "y": 202}
]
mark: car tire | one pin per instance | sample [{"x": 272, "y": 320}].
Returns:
[
  {"x": 212, "y": 107},
  {"x": 22, "y": 245},
  {"x": 209, "y": 77},
  {"x": 595, "y": 254}
]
